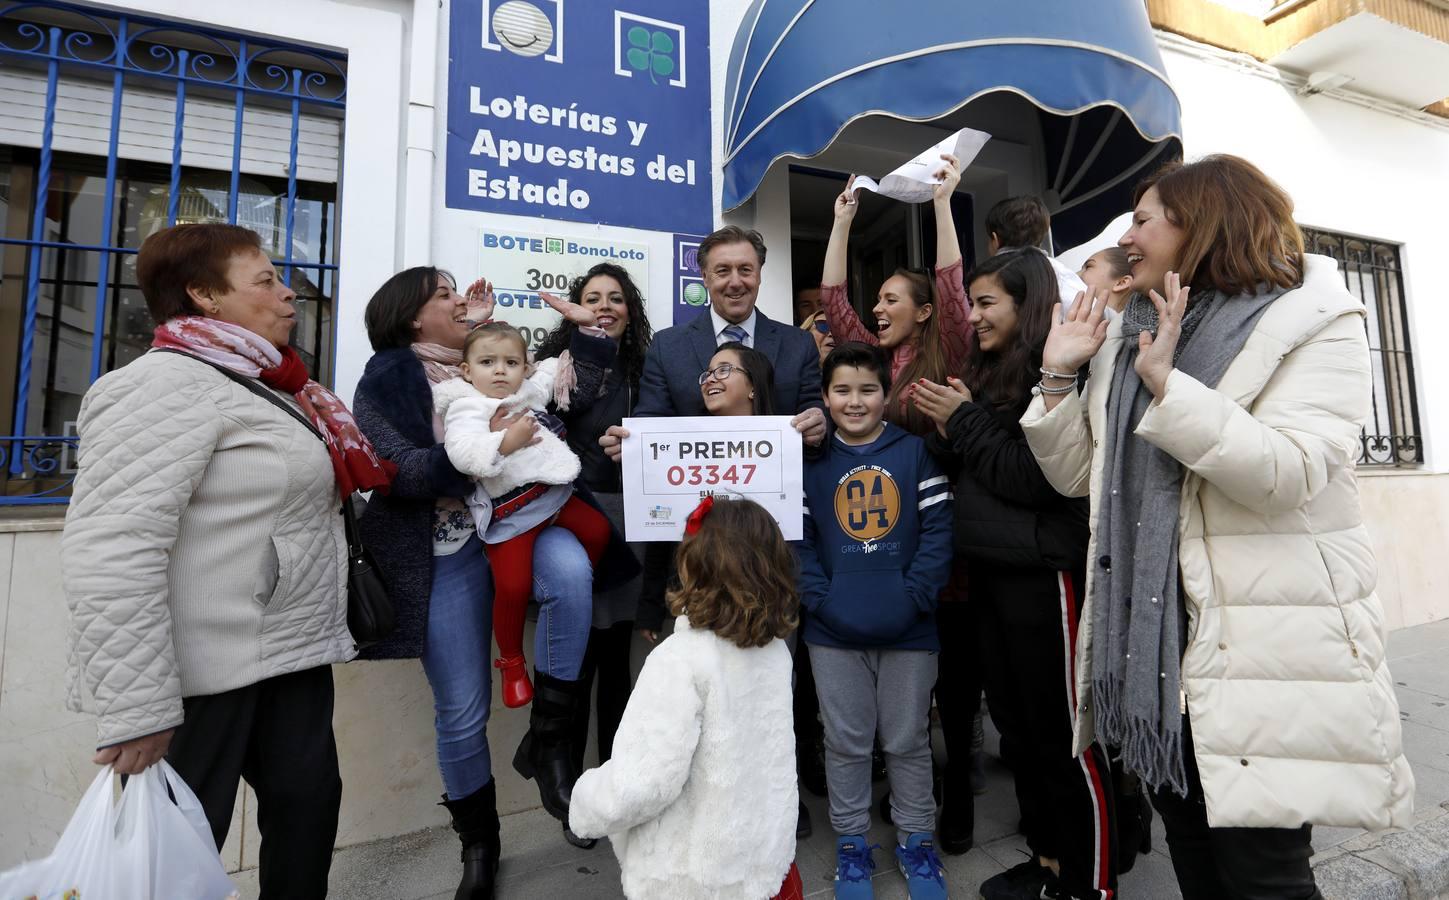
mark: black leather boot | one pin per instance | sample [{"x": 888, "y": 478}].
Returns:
[
  {"x": 475, "y": 819},
  {"x": 546, "y": 753}
]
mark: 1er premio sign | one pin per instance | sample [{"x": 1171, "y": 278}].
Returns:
[{"x": 671, "y": 464}]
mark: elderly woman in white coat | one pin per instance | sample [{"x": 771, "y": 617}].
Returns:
[
  {"x": 1231, "y": 642},
  {"x": 203, "y": 558}
]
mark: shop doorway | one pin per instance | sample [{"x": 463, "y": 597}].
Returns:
[{"x": 886, "y": 235}]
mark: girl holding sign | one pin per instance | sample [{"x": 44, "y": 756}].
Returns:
[{"x": 739, "y": 382}]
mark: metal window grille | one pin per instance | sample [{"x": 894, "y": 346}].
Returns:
[
  {"x": 1372, "y": 272},
  {"x": 71, "y": 222}
]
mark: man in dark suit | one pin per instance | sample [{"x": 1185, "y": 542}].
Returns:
[{"x": 730, "y": 260}]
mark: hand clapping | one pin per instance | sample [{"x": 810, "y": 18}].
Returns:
[
  {"x": 939, "y": 401},
  {"x": 1154, "y": 355},
  {"x": 1075, "y": 338}
]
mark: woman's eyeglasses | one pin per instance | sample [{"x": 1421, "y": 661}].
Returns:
[
  {"x": 721, "y": 372},
  {"x": 822, "y": 325}
]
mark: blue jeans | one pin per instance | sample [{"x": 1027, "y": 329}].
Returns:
[
  {"x": 460, "y": 639},
  {"x": 455, "y": 658},
  {"x": 563, "y": 585}
]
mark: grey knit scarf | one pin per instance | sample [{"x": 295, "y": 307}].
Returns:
[{"x": 1139, "y": 625}]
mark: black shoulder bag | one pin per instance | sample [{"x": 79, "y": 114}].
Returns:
[{"x": 370, "y": 613}]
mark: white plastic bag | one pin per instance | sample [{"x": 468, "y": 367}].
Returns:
[{"x": 141, "y": 848}]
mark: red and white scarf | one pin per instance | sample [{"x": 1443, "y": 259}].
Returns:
[{"x": 355, "y": 464}]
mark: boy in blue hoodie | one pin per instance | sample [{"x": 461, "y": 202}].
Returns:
[{"x": 876, "y": 552}]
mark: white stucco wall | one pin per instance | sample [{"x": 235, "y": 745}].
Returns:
[
  {"x": 1361, "y": 167},
  {"x": 1374, "y": 171}
]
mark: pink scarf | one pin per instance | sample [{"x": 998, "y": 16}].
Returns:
[
  {"x": 439, "y": 363},
  {"x": 356, "y": 466}
]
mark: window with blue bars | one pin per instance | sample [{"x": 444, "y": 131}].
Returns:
[{"x": 112, "y": 127}]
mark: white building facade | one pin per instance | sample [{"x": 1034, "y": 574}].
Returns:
[{"x": 342, "y": 162}]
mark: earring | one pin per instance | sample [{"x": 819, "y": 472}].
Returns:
[{"x": 752, "y": 395}]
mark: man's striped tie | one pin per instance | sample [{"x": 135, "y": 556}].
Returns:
[{"x": 735, "y": 333}]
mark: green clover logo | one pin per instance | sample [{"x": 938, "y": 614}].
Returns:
[{"x": 650, "y": 51}]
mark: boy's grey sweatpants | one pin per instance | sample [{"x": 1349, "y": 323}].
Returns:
[{"x": 862, "y": 693}]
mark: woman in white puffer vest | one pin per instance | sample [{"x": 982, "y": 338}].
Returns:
[{"x": 1231, "y": 643}]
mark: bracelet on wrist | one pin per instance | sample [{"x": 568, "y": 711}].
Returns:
[
  {"x": 1041, "y": 388},
  {"x": 1048, "y": 373}
]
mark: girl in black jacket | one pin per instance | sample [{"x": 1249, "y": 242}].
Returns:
[{"x": 1026, "y": 549}]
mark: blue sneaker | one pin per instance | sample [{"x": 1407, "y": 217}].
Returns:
[
  {"x": 853, "y": 868},
  {"x": 924, "y": 874}
]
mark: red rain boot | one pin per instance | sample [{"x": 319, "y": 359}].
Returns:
[{"x": 517, "y": 689}]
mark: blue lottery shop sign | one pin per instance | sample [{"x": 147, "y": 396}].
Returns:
[{"x": 586, "y": 110}]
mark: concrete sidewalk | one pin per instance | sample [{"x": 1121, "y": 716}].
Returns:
[{"x": 1351, "y": 864}]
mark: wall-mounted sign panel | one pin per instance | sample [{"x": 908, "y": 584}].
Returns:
[
  {"x": 690, "y": 296},
  {"x": 522, "y": 264},
  {"x": 586, "y": 110}
]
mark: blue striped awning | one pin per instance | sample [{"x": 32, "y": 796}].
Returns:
[{"x": 801, "y": 70}]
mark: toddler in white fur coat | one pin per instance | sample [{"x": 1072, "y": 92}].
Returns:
[
  {"x": 475, "y": 449},
  {"x": 525, "y": 476},
  {"x": 699, "y": 797}
]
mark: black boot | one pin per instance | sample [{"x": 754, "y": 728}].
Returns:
[
  {"x": 546, "y": 753},
  {"x": 475, "y": 819}
]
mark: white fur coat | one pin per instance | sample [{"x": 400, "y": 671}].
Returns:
[
  {"x": 472, "y": 445},
  {"x": 699, "y": 798}
]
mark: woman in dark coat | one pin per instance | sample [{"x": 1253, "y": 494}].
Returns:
[
  {"x": 609, "y": 291},
  {"x": 425, "y": 542}
]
